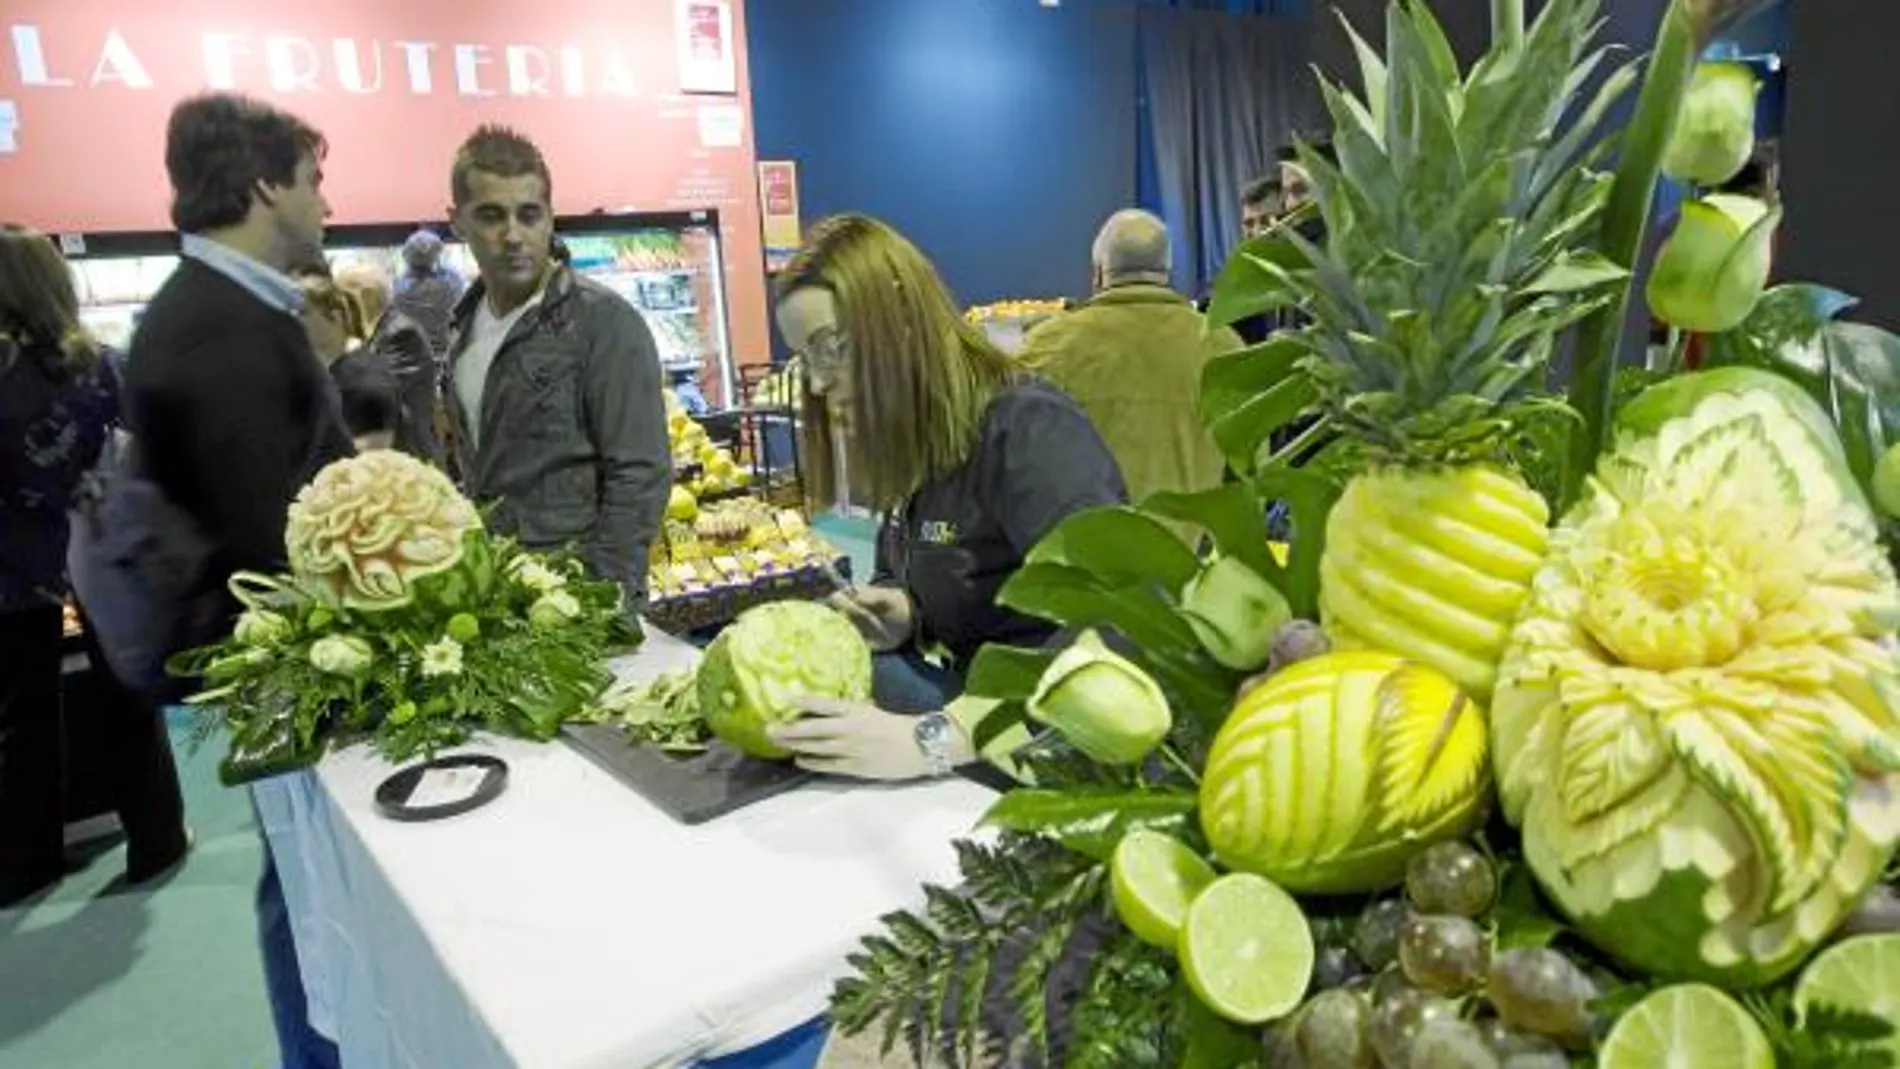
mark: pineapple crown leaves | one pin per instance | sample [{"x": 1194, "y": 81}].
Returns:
[{"x": 1459, "y": 220}]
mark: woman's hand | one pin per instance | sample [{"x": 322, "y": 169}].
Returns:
[
  {"x": 883, "y": 615},
  {"x": 858, "y": 739}
]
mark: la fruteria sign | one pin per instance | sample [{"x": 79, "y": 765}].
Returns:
[{"x": 612, "y": 90}]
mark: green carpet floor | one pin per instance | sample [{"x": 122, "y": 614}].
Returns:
[
  {"x": 93, "y": 976},
  {"x": 96, "y": 977}
]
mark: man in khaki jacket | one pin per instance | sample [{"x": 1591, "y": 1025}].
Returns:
[{"x": 1132, "y": 357}]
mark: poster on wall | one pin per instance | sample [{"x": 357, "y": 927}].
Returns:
[
  {"x": 706, "y": 49},
  {"x": 394, "y": 86},
  {"x": 778, "y": 207}
]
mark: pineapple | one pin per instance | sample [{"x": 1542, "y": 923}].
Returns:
[{"x": 1458, "y": 220}]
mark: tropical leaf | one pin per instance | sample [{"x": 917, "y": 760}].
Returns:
[
  {"x": 1254, "y": 281},
  {"x": 1233, "y": 515},
  {"x": 1120, "y": 546},
  {"x": 1007, "y": 672},
  {"x": 1089, "y": 822},
  {"x": 1076, "y": 598},
  {"x": 1310, "y": 496}
]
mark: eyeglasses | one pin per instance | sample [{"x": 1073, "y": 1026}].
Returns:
[{"x": 826, "y": 355}]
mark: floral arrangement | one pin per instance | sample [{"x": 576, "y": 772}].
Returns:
[
  {"x": 401, "y": 621},
  {"x": 1567, "y": 733}
]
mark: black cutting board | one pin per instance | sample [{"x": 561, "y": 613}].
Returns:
[{"x": 691, "y": 788}]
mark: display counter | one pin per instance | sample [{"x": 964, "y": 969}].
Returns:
[{"x": 570, "y": 924}]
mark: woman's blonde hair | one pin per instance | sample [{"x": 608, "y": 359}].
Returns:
[
  {"x": 921, "y": 377},
  {"x": 324, "y": 295},
  {"x": 39, "y": 306},
  {"x": 370, "y": 287}
]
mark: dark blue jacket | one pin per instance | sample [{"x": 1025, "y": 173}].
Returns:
[{"x": 54, "y": 420}]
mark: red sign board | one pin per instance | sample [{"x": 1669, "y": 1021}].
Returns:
[{"x": 613, "y": 91}]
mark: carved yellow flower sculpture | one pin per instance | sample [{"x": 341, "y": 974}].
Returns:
[
  {"x": 1698, "y": 720},
  {"x": 369, "y": 528}
]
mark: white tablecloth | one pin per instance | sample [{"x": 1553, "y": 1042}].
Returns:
[{"x": 571, "y": 925}]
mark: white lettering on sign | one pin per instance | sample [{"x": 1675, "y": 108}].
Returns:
[
  {"x": 573, "y": 72},
  {"x": 349, "y": 66},
  {"x": 292, "y": 63},
  {"x": 30, "y": 55},
  {"x": 469, "y": 61},
  {"x": 416, "y": 55},
  {"x": 221, "y": 53},
  {"x": 117, "y": 63},
  {"x": 525, "y": 78}
]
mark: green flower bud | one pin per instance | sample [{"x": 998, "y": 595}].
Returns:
[
  {"x": 261, "y": 627},
  {"x": 321, "y": 618},
  {"x": 1235, "y": 613},
  {"x": 464, "y": 628},
  {"x": 342, "y": 655},
  {"x": 1715, "y": 130},
  {"x": 1103, "y": 703},
  {"x": 1887, "y": 482},
  {"x": 1714, "y": 267},
  {"x": 403, "y": 713}
]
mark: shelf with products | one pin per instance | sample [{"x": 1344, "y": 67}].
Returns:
[{"x": 668, "y": 264}]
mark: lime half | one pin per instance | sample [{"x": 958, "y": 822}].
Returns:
[
  {"x": 1688, "y": 1026},
  {"x": 1862, "y": 974},
  {"x": 1246, "y": 949},
  {"x": 1154, "y": 877}
]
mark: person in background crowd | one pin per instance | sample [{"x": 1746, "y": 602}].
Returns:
[
  {"x": 336, "y": 323},
  {"x": 971, "y": 459},
  {"x": 1132, "y": 358},
  {"x": 58, "y": 403},
  {"x": 229, "y": 409},
  {"x": 428, "y": 290},
  {"x": 556, "y": 384},
  {"x": 408, "y": 366},
  {"x": 1259, "y": 206}
]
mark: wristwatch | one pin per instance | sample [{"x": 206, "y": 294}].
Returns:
[{"x": 933, "y": 733}]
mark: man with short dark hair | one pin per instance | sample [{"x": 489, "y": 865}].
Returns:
[
  {"x": 230, "y": 411},
  {"x": 1259, "y": 206},
  {"x": 1132, "y": 358},
  {"x": 555, "y": 381}
]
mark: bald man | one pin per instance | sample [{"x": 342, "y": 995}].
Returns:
[{"x": 1132, "y": 357}]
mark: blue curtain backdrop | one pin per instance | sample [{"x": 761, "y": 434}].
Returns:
[{"x": 1219, "y": 94}]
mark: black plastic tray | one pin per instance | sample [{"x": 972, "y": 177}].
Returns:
[{"x": 691, "y": 788}]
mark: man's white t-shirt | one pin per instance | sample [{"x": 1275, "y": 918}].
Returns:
[{"x": 486, "y": 332}]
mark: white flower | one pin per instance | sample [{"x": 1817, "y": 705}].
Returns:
[
  {"x": 442, "y": 658},
  {"x": 538, "y": 577},
  {"x": 554, "y": 610},
  {"x": 261, "y": 627}
]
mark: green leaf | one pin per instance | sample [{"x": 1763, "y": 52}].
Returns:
[
  {"x": 1121, "y": 547},
  {"x": 1311, "y": 497},
  {"x": 1243, "y": 430},
  {"x": 1074, "y": 597},
  {"x": 1213, "y": 1042},
  {"x": 1233, "y": 514},
  {"x": 1007, "y": 672},
  {"x": 998, "y": 721},
  {"x": 1088, "y": 822},
  {"x": 1577, "y": 271},
  {"x": 1248, "y": 286},
  {"x": 1520, "y": 916}
]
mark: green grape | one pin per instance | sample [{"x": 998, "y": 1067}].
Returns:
[
  {"x": 1443, "y": 954},
  {"x": 1280, "y": 1048},
  {"x": 1449, "y": 1043},
  {"x": 1376, "y": 938},
  {"x": 1451, "y": 878},
  {"x": 1545, "y": 1059},
  {"x": 1506, "y": 1041},
  {"x": 1398, "y": 1019},
  {"x": 1389, "y": 983},
  {"x": 1335, "y": 1032},
  {"x": 1336, "y": 967},
  {"x": 1536, "y": 989}
]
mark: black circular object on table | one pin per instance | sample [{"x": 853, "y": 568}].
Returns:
[{"x": 392, "y": 796}]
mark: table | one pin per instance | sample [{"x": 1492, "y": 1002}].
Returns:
[{"x": 571, "y": 925}]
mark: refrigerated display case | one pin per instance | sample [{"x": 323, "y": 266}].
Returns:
[{"x": 667, "y": 264}]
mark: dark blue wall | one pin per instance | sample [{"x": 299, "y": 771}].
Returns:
[{"x": 997, "y": 134}]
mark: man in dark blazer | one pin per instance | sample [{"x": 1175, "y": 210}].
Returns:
[{"x": 230, "y": 411}]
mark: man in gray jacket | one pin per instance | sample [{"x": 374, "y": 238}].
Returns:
[{"x": 554, "y": 379}]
